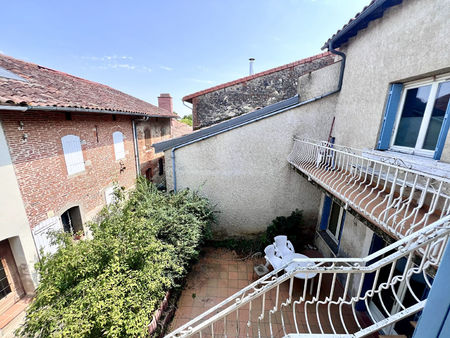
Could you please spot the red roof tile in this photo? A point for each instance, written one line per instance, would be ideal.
(47, 87)
(254, 76)
(180, 128)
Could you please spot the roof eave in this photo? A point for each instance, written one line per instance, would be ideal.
(372, 12)
(81, 110)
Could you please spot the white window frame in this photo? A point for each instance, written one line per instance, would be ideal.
(119, 146)
(74, 159)
(418, 150)
(335, 237)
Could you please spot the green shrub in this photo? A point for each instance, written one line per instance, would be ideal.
(112, 284)
(293, 227)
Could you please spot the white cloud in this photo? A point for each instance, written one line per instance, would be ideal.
(202, 81)
(122, 65)
(107, 57)
(2, 52)
(169, 69)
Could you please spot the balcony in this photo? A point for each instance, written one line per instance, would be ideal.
(279, 305)
(386, 191)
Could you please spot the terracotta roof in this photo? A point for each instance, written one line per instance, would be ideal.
(189, 98)
(374, 10)
(180, 128)
(44, 87)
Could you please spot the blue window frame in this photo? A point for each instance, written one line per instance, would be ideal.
(416, 117)
(331, 224)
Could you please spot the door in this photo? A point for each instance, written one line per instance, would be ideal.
(11, 289)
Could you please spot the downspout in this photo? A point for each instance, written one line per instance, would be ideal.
(136, 147)
(341, 76)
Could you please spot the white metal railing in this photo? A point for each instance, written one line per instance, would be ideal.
(387, 191)
(273, 306)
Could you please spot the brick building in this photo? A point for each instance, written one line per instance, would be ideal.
(234, 98)
(64, 143)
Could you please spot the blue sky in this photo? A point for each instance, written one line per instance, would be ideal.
(149, 47)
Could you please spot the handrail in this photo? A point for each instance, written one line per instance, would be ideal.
(429, 243)
(398, 199)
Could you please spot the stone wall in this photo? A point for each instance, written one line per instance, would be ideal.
(253, 92)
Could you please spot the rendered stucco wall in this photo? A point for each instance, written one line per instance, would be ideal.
(409, 42)
(244, 172)
(13, 221)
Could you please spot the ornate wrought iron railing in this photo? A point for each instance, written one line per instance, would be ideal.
(386, 191)
(273, 306)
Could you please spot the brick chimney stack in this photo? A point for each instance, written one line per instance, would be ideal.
(165, 102)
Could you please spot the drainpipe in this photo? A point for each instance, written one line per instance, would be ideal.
(136, 147)
(339, 86)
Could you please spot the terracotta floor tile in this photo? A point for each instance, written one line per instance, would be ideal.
(233, 283)
(233, 275)
(220, 274)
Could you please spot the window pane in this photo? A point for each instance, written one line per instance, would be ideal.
(4, 284)
(334, 219)
(412, 115)
(437, 116)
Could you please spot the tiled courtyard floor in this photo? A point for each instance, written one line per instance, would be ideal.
(220, 273)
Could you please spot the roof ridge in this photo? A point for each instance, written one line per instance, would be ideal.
(256, 75)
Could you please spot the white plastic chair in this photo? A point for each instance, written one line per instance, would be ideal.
(283, 246)
(272, 258)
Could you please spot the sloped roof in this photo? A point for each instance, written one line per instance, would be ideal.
(188, 98)
(372, 11)
(227, 125)
(39, 87)
(180, 128)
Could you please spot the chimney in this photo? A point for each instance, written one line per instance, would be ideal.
(250, 71)
(165, 102)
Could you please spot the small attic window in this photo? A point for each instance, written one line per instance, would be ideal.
(10, 75)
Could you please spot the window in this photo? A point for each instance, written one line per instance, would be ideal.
(5, 288)
(73, 154)
(331, 224)
(71, 220)
(119, 149)
(417, 113)
(161, 167)
(148, 138)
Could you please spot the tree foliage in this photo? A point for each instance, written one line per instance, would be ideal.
(187, 119)
(112, 284)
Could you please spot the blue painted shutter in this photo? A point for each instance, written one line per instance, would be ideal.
(443, 134)
(325, 213)
(390, 113)
(342, 227)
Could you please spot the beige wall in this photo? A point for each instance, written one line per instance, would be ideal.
(245, 172)
(13, 220)
(410, 41)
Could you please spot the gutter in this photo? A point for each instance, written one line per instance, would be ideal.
(145, 117)
(341, 76)
(76, 110)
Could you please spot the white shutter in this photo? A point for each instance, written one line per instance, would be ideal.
(109, 195)
(119, 149)
(41, 236)
(73, 154)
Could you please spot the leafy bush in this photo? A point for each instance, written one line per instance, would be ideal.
(112, 284)
(293, 227)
